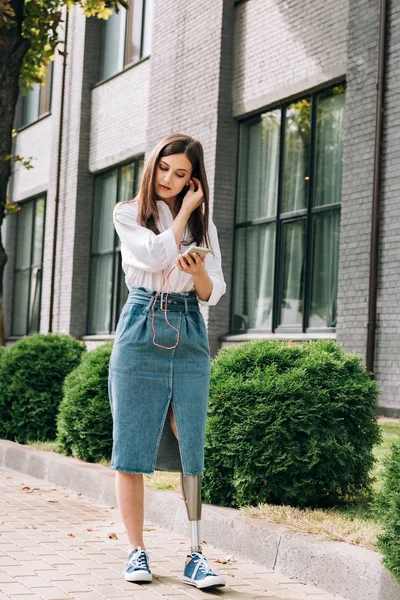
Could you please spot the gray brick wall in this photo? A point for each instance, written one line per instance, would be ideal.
(387, 360)
(355, 230)
(285, 47)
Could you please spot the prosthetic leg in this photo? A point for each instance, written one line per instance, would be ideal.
(191, 491)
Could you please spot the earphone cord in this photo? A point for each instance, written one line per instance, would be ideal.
(165, 311)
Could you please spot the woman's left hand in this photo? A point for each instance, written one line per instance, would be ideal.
(194, 265)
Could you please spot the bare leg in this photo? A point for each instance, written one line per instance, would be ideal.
(172, 421)
(129, 489)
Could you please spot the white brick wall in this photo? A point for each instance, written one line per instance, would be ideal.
(119, 117)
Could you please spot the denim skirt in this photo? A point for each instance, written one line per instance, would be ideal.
(144, 380)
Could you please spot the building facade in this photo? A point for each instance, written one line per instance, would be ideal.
(282, 95)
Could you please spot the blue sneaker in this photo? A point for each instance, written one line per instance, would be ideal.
(137, 568)
(198, 573)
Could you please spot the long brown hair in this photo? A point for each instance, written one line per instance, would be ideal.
(176, 143)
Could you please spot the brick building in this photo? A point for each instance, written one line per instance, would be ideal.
(282, 95)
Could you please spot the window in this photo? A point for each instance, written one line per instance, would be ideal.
(37, 101)
(288, 216)
(108, 291)
(126, 37)
(28, 267)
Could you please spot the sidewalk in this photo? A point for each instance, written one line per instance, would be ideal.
(56, 544)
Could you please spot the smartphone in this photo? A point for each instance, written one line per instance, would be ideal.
(199, 250)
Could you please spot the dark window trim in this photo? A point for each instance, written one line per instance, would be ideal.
(282, 218)
(116, 251)
(320, 87)
(34, 198)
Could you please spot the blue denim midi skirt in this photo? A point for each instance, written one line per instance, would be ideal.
(145, 379)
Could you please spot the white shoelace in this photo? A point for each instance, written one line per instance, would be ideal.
(138, 560)
(203, 566)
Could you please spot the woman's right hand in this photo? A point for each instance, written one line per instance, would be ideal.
(193, 199)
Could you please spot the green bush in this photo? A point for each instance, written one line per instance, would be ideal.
(84, 424)
(289, 423)
(32, 372)
(388, 507)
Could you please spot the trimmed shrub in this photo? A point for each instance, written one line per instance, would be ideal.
(289, 423)
(388, 507)
(32, 372)
(84, 423)
(2, 350)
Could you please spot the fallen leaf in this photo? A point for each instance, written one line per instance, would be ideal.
(227, 559)
(113, 536)
(203, 542)
(89, 529)
(149, 528)
(52, 500)
(79, 494)
(70, 535)
(230, 574)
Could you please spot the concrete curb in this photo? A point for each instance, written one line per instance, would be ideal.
(353, 572)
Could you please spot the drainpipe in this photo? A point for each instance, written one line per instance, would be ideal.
(376, 198)
(58, 179)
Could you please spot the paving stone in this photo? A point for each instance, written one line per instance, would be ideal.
(50, 555)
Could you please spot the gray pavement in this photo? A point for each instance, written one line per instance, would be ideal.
(56, 544)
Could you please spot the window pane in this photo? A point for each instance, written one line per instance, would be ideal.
(254, 277)
(139, 166)
(123, 290)
(259, 167)
(38, 239)
(105, 198)
(45, 92)
(31, 105)
(325, 269)
(293, 273)
(330, 132)
(24, 236)
(297, 153)
(113, 44)
(101, 279)
(34, 305)
(133, 31)
(21, 302)
(126, 183)
(147, 28)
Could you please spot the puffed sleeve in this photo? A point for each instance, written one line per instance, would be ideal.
(140, 247)
(214, 269)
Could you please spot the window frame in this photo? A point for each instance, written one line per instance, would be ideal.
(116, 253)
(280, 219)
(128, 28)
(42, 196)
(45, 88)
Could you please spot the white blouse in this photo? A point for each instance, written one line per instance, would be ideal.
(147, 256)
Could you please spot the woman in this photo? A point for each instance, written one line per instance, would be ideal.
(160, 362)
